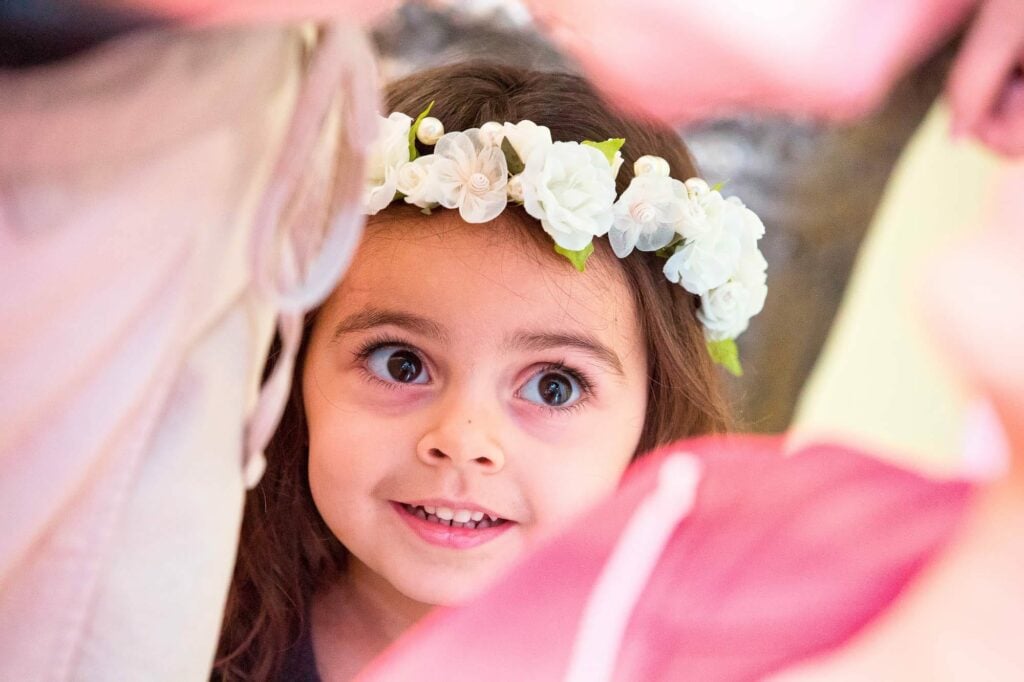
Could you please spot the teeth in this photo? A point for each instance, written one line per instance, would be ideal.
(455, 518)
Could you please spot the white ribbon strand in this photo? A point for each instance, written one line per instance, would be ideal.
(629, 567)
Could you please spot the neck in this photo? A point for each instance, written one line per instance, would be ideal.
(356, 619)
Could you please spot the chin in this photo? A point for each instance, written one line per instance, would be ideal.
(444, 590)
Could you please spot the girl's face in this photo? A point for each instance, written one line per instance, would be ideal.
(465, 394)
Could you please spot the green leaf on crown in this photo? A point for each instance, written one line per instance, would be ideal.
(669, 250)
(608, 147)
(415, 128)
(577, 258)
(515, 164)
(717, 187)
(726, 354)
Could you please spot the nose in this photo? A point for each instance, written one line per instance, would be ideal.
(464, 436)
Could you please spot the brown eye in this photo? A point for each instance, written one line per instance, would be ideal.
(553, 389)
(404, 366)
(399, 365)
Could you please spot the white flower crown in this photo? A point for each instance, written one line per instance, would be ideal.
(710, 241)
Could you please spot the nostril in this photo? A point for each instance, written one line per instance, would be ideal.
(459, 457)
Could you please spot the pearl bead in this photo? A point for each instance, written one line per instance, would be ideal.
(430, 131)
(650, 165)
(491, 133)
(697, 187)
(514, 188)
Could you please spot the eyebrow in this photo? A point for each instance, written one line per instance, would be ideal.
(370, 318)
(535, 341)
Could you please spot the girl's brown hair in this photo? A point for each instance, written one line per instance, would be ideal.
(286, 550)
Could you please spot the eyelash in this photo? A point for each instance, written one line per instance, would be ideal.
(375, 343)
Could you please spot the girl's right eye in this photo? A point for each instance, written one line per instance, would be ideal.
(395, 364)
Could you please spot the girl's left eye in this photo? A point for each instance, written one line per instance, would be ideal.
(395, 364)
(552, 388)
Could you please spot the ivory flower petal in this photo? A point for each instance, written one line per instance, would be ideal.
(470, 176)
(386, 155)
(569, 187)
(646, 214)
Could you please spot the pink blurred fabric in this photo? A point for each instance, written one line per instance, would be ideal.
(249, 12)
(781, 557)
(687, 59)
(159, 205)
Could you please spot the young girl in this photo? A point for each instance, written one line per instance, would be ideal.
(476, 380)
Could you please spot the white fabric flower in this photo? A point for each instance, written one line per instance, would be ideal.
(569, 187)
(702, 214)
(386, 155)
(723, 311)
(752, 225)
(708, 210)
(720, 261)
(470, 176)
(646, 214)
(752, 274)
(418, 182)
(705, 263)
(526, 136)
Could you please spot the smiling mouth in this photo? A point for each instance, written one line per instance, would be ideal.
(454, 518)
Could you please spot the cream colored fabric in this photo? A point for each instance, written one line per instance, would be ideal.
(133, 183)
(881, 380)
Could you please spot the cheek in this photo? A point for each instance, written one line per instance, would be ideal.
(563, 482)
(588, 463)
(566, 490)
(613, 423)
(343, 463)
(335, 480)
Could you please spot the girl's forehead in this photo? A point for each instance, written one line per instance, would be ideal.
(488, 276)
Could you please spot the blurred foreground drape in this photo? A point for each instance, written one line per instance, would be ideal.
(132, 176)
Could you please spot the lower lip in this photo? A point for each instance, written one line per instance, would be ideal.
(448, 536)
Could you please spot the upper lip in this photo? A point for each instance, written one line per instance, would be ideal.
(455, 504)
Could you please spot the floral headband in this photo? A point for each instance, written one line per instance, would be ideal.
(710, 241)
